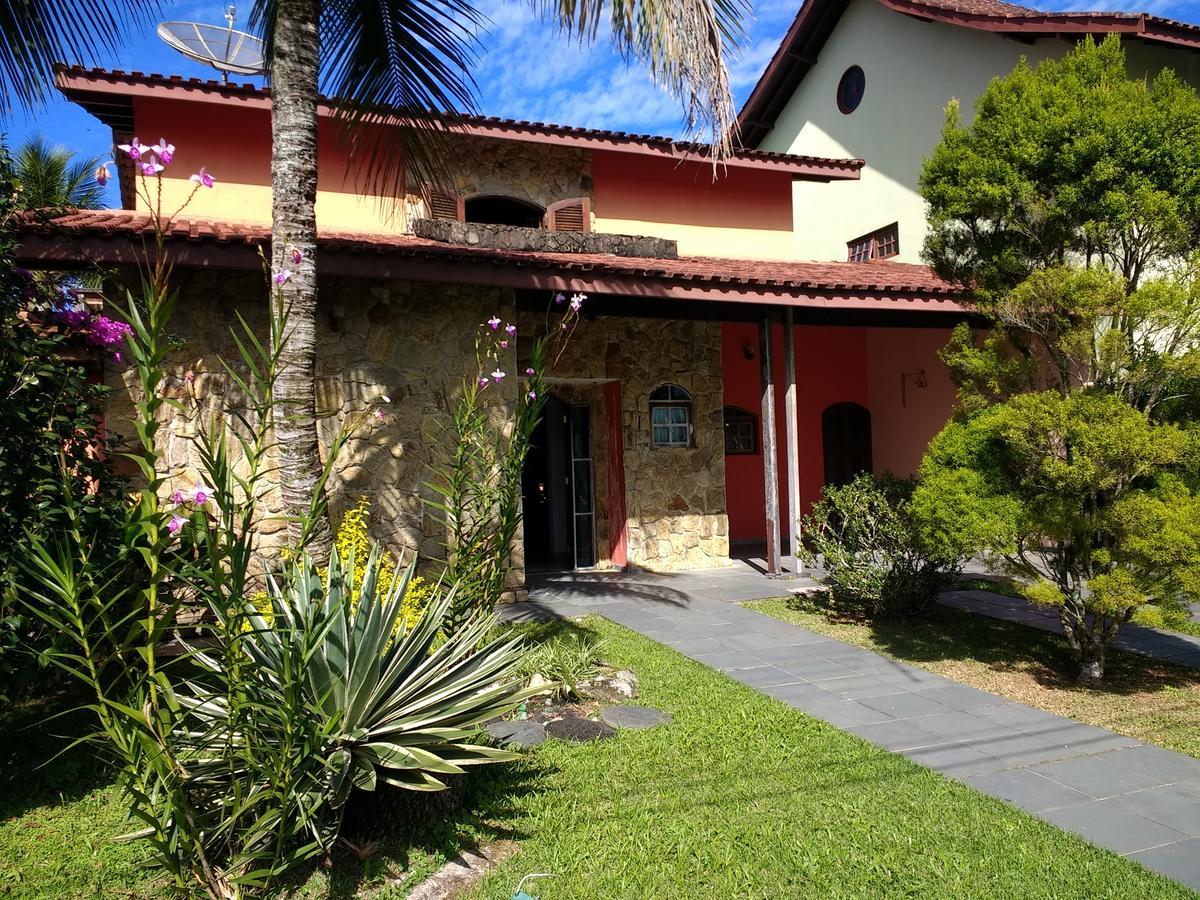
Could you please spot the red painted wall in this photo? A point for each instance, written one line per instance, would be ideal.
(831, 367)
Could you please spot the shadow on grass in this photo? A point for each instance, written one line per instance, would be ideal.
(945, 635)
(36, 769)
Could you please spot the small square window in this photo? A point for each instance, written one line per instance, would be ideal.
(879, 244)
(670, 417)
(741, 432)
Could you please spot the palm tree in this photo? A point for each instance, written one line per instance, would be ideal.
(34, 34)
(51, 177)
(416, 56)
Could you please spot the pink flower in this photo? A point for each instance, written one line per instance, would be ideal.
(498, 376)
(533, 395)
(297, 256)
(577, 302)
(530, 372)
(494, 321)
(177, 497)
(511, 329)
(103, 175)
(133, 148)
(203, 178)
(504, 345)
(105, 332)
(175, 524)
(117, 357)
(201, 496)
(189, 376)
(282, 277)
(151, 167)
(560, 298)
(379, 415)
(164, 150)
(483, 382)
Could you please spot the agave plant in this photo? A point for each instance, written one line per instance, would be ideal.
(334, 682)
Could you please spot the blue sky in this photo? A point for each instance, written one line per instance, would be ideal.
(526, 70)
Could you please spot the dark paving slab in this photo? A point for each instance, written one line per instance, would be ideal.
(1026, 789)
(1177, 860)
(1108, 824)
(636, 717)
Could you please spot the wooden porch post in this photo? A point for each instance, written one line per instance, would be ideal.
(770, 465)
(793, 438)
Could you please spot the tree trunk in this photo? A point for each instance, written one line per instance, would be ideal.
(1091, 668)
(294, 66)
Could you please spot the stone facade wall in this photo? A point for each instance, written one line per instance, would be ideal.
(536, 173)
(513, 237)
(411, 342)
(674, 497)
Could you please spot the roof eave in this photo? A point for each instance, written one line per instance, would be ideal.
(93, 88)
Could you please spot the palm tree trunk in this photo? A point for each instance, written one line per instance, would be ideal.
(294, 230)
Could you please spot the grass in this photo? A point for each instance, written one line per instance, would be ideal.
(740, 796)
(1143, 698)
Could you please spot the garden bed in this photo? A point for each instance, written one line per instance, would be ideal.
(739, 796)
(1142, 698)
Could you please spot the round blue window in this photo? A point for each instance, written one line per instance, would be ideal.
(850, 89)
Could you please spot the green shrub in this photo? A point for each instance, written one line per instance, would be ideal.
(862, 537)
(564, 662)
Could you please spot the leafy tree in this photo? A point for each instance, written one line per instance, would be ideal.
(415, 55)
(51, 177)
(1070, 207)
(1071, 162)
(1082, 497)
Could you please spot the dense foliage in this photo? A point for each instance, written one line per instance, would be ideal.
(1071, 207)
(861, 535)
(49, 415)
(1081, 497)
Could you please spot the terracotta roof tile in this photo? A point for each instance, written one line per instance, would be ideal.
(877, 277)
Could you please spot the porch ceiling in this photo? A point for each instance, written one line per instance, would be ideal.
(121, 237)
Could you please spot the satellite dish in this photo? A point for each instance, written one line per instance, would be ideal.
(224, 48)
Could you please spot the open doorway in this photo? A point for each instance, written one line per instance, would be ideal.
(557, 488)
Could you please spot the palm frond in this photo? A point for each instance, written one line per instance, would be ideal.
(51, 177)
(34, 34)
(401, 73)
(684, 43)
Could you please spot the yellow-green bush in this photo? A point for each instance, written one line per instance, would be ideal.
(352, 537)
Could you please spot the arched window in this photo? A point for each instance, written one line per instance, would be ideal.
(498, 210)
(741, 431)
(670, 417)
(846, 441)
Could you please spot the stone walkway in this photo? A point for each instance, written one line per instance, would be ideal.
(1138, 800)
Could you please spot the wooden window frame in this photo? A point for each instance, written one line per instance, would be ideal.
(736, 416)
(670, 402)
(584, 204)
(882, 243)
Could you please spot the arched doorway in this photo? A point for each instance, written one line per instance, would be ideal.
(556, 485)
(494, 209)
(846, 442)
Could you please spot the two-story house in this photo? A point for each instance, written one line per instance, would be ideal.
(706, 341)
(872, 79)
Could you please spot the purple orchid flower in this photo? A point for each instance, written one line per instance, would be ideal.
(151, 167)
(175, 524)
(530, 371)
(177, 497)
(483, 382)
(504, 345)
(511, 329)
(202, 178)
(498, 376)
(577, 302)
(103, 175)
(282, 277)
(560, 298)
(133, 148)
(165, 151)
(201, 496)
(494, 321)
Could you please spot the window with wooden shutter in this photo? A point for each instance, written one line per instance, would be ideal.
(445, 205)
(570, 215)
(879, 244)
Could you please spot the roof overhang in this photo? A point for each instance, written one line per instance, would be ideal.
(122, 238)
(109, 95)
(816, 20)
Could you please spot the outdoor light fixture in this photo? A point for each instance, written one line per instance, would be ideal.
(917, 378)
(748, 350)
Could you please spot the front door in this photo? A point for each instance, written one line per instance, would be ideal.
(557, 491)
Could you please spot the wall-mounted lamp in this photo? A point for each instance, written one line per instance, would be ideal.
(918, 379)
(748, 350)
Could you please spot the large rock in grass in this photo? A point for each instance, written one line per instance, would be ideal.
(577, 730)
(634, 717)
(611, 686)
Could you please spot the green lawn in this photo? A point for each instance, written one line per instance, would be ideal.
(1143, 698)
(740, 797)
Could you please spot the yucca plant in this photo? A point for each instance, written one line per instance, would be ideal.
(378, 701)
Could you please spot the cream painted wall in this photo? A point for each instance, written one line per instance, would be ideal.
(913, 69)
(707, 240)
